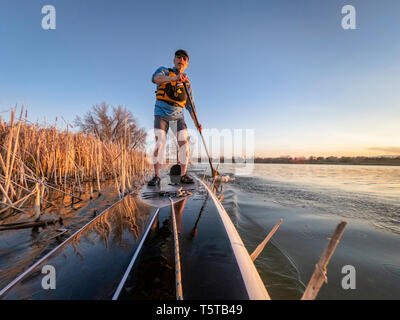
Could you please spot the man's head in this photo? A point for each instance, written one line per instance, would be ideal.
(181, 60)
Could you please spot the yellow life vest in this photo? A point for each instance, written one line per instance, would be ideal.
(172, 92)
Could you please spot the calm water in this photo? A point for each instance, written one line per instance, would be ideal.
(312, 200)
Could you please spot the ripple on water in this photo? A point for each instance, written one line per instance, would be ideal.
(392, 269)
(380, 211)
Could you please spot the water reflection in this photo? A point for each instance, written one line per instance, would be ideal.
(91, 263)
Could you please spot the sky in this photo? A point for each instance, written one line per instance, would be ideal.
(285, 69)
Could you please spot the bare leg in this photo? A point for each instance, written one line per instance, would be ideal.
(183, 150)
(157, 169)
(158, 152)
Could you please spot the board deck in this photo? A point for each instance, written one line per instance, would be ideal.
(158, 196)
(211, 267)
(254, 285)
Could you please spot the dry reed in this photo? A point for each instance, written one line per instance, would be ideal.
(34, 159)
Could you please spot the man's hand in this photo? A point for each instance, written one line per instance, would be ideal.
(182, 77)
(200, 127)
(160, 78)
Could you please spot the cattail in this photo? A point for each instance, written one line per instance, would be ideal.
(32, 154)
(37, 202)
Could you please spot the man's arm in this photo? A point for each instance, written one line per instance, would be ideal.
(160, 78)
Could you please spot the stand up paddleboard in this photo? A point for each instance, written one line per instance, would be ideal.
(169, 187)
(213, 262)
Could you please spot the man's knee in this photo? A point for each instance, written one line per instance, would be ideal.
(183, 154)
(182, 137)
(161, 138)
(182, 143)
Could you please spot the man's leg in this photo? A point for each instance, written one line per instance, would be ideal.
(183, 150)
(160, 131)
(161, 137)
(183, 153)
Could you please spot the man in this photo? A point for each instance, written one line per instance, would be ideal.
(171, 99)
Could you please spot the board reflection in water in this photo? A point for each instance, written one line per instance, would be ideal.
(89, 265)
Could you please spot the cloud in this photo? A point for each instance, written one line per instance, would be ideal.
(386, 149)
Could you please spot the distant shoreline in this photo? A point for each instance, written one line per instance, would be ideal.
(359, 161)
(336, 163)
(366, 162)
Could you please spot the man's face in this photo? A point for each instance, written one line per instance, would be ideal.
(181, 62)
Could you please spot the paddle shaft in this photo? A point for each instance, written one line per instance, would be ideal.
(196, 121)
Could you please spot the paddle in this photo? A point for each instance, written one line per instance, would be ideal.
(196, 121)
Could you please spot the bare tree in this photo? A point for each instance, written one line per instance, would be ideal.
(111, 127)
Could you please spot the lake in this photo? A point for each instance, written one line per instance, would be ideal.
(312, 200)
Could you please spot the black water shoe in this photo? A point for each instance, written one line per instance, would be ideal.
(154, 181)
(186, 179)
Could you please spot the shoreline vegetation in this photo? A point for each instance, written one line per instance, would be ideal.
(39, 161)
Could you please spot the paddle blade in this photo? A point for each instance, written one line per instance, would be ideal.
(175, 170)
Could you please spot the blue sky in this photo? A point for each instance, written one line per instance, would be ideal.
(286, 69)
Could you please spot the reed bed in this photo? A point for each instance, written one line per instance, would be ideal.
(38, 159)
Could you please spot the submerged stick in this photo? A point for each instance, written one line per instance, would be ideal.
(30, 224)
(319, 275)
(261, 246)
